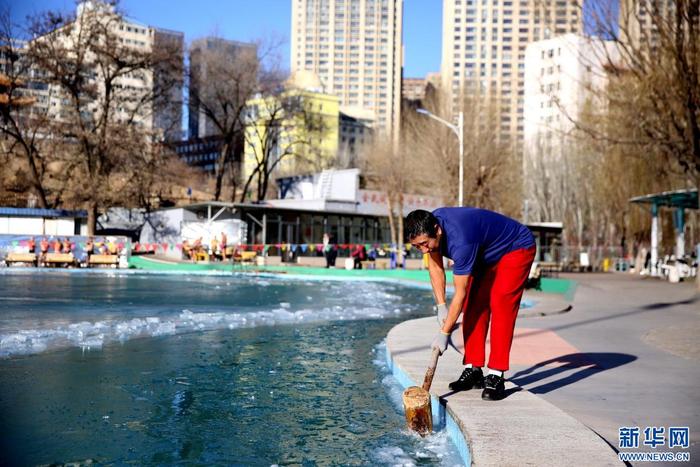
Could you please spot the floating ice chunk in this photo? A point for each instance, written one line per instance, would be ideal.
(92, 342)
(372, 304)
(393, 455)
(165, 329)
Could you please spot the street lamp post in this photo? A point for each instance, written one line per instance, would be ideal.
(459, 131)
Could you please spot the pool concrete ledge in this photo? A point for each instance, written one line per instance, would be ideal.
(522, 429)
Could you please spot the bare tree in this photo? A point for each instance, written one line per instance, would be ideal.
(223, 76)
(638, 132)
(617, 172)
(657, 45)
(406, 168)
(491, 166)
(387, 167)
(426, 161)
(586, 182)
(24, 126)
(105, 98)
(285, 134)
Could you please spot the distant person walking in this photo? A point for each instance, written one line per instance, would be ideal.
(214, 247)
(329, 251)
(492, 255)
(89, 246)
(359, 254)
(44, 249)
(222, 245)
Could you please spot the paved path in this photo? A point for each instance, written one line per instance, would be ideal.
(626, 354)
(635, 362)
(522, 429)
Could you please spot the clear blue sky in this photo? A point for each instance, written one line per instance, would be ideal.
(247, 20)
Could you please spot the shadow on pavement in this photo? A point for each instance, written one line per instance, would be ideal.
(660, 305)
(587, 365)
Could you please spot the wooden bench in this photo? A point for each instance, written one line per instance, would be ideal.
(201, 255)
(21, 258)
(379, 263)
(382, 263)
(245, 257)
(59, 258)
(549, 269)
(104, 260)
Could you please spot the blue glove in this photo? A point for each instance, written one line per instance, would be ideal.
(440, 342)
(441, 313)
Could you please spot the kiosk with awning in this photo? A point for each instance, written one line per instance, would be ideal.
(680, 200)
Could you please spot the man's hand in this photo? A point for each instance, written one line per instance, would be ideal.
(441, 313)
(440, 342)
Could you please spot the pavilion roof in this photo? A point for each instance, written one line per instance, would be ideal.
(687, 199)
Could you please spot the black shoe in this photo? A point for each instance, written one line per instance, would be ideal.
(469, 379)
(494, 388)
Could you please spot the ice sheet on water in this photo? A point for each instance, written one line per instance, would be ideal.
(94, 334)
(393, 455)
(434, 449)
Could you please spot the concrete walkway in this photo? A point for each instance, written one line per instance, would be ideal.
(635, 361)
(625, 354)
(523, 429)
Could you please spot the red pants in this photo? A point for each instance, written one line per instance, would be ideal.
(496, 294)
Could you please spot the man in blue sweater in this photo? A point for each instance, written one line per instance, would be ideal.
(492, 256)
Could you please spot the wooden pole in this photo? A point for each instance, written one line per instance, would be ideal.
(416, 401)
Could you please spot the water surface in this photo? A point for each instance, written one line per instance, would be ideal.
(204, 370)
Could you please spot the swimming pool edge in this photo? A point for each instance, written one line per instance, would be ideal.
(442, 418)
(522, 429)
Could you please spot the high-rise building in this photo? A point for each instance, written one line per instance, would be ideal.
(355, 133)
(483, 50)
(203, 153)
(413, 89)
(417, 92)
(563, 77)
(169, 103)
(641, 23)
(202, 85)
(355, 47)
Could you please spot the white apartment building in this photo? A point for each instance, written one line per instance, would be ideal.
(355, 47)
(563, 75)
(639, 20)
(483, 50)
(161, 116)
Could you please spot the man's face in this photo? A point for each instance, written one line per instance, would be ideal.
(427, 244)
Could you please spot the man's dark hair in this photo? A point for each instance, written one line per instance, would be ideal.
(420, 222)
